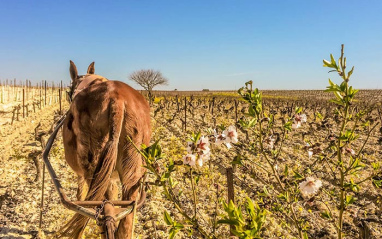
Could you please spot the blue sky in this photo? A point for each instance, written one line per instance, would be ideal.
(195, 44)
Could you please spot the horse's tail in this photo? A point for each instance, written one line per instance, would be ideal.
(101, 177)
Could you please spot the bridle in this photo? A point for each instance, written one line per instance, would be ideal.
(71, 90)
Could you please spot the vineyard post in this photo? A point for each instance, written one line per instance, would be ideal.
(185, 114)
(236, 104)
(45, 94)
(17, 112)
(177, 102)
(231, 194)
(23, 103)
(40, 96)
(59, 96)
(212, 105)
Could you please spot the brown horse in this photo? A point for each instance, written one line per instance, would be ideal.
(102, 115)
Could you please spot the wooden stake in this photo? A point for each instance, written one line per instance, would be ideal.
(236, 104)
(59, 96)
(45, 95)
(185, 114)
(23, 103)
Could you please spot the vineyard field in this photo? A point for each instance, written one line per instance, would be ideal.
(295, 155)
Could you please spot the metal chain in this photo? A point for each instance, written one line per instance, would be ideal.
(99, 210)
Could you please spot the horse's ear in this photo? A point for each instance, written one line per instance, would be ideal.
(73, 71)
(91, 69)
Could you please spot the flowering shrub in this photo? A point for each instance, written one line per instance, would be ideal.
(263, 126)
(345, 161)
(298, 120)
(326, 180)
(198, 152)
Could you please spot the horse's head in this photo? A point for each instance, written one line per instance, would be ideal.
(80, 82)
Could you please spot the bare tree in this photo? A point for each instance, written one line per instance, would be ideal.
(148, 79)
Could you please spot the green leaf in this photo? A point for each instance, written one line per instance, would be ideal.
(251, 111)
(229, 222)
(297, 175)
(284, 196)
(332, 59)
(350, 72)
(173, 232)
(377, 183)
(237, 160)
(168, 219)
(286, 170)
(353, 186)
(326, 215)
(349, 200)
(338, 95)
(178, 225)
(338, 102)
(288, 126)
(376, 165)
(327, 63)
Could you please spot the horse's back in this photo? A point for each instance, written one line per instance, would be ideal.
(89, 125)
(102, 115)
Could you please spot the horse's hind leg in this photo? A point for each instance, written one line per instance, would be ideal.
(125, 228)
(130, 172)
(111, 194)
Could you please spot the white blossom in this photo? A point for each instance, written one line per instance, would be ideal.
(200, 161)
(202, 146)
(221, 138)
(189, 159)
(296, 125)
(310, 186)
(298, 120)
(270, 141)
(349, 151)
(203, 158)
(303, 118)
(310, 152)
(231, 134)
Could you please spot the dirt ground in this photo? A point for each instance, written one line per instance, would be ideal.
(20, 194)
